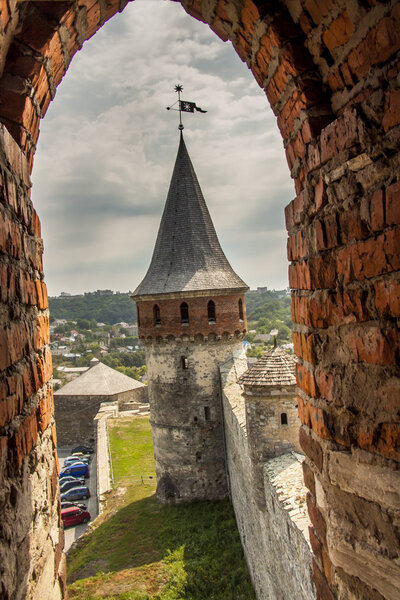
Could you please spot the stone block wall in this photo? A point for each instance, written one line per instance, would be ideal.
(275, 547)
(75, 415)
(186, 417)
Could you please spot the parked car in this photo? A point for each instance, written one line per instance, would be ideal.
(70, 504)
(76, 493)
(73, 459)
(77, 470)
(81, 455)
(78, 480)
(69, 485)
(84, 449)
(74, 516)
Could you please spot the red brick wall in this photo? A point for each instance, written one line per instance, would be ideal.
(26, 395)
(226, 309)
(330, 72)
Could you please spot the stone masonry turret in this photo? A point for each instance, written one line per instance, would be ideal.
(191, 317)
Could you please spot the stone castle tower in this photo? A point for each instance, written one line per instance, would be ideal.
(191, 317)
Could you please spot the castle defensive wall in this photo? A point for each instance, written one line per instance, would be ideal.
(330, 71)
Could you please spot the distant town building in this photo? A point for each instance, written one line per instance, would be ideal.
(77, 402)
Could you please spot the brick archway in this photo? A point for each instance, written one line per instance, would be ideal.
(330, 72)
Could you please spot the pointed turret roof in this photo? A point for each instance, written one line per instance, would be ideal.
(274, 368)
(187, 256)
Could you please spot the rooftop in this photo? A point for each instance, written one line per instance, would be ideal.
(99, 380)
(275, 368)
(187, 255)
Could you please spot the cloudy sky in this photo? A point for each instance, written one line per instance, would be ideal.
(107, 149)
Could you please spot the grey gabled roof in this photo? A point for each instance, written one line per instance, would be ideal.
(99, 380)
(274, 368)
(187, 255)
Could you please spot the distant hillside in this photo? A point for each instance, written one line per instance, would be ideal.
(105, 309)
(268, 311)
(264, 311)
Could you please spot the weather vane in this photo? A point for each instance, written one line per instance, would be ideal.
(184, 106)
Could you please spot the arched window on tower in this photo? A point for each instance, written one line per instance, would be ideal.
(241, 310)
(156, 315)
(211, 312)
(138, 316)
(284, 419)
(184, 314)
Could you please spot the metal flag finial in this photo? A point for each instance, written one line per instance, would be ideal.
(184, 106)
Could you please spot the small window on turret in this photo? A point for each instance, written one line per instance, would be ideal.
(211, 312)
(184, 313)
(207, 413)
(240, 310)
(284, 419)
(184, 362)
(138, 316)
(156, 315)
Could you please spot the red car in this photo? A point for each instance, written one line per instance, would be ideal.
(74, 516)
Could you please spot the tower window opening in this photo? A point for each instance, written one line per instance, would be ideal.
(207, 413)
(184, 314)
(184, 362)
(211, 312)
(241, 310)
(138, 316)
(284, 419)
(156, 315)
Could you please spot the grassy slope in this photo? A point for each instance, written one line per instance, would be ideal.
(140, 550)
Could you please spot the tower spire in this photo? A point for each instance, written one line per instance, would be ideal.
(187, 256)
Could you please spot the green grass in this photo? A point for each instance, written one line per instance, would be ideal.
(140, 550)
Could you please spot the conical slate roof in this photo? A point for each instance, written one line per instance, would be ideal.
(99, 380)
(274, 368)
(187, 255)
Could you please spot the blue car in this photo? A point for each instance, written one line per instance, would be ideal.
(77, 493)
(76, 470)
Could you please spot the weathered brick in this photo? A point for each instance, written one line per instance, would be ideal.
(315, 418)
(41, 291)
(379, 45)
(305, 346)
(383, 439)
(341, 134)
(387, 298)
(42, 332)
(374, 345)
(24, 439)
(318, 10)
(316, 517)
(45, 411)
(364, 260)
(309, 479)
(311, 448)
(306, 380)
(392, 110)
(321, 584)
(392, 204)
(339, 32)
